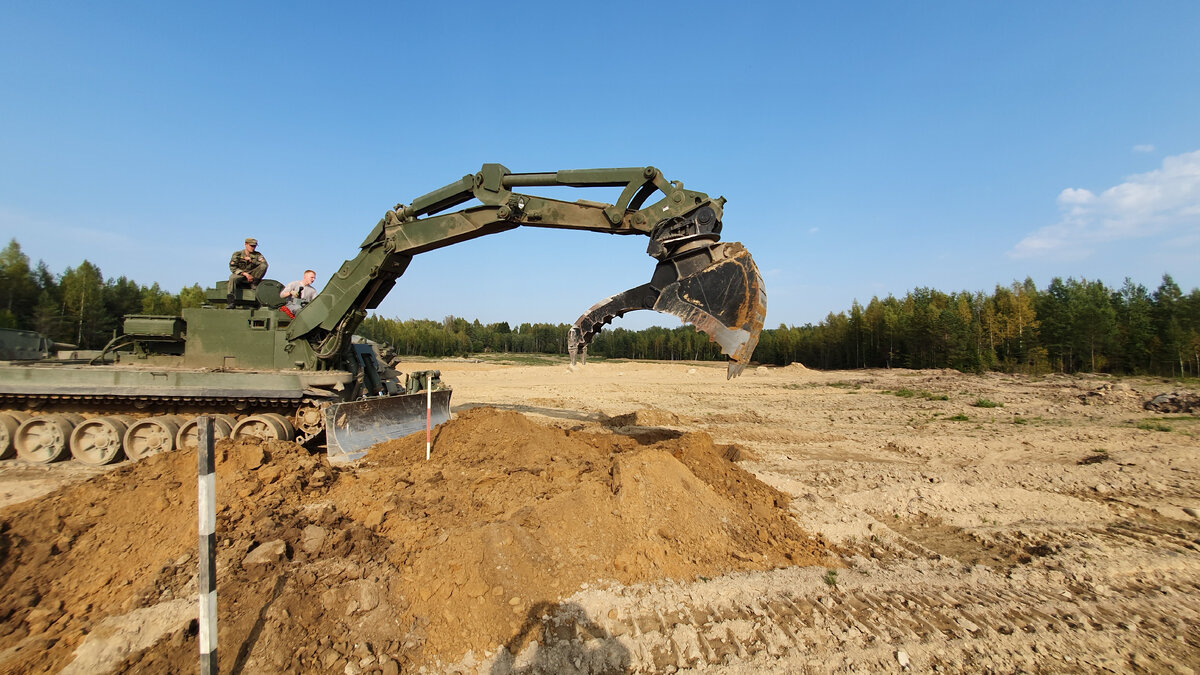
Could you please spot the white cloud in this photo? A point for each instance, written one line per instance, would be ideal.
(1165, 201)
(814, 230)
(1143, 147)
(1072, 196)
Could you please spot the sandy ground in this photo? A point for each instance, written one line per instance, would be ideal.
(985, 523)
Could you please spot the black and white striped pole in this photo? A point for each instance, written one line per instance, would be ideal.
(207, 504)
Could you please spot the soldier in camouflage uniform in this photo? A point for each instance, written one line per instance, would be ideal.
(248, 266)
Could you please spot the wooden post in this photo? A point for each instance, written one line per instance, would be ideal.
(207, 505)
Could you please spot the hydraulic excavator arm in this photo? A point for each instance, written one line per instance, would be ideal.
(714, 286)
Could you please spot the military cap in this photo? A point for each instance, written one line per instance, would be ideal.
(252, 241)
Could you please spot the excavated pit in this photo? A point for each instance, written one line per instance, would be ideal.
(390, 564)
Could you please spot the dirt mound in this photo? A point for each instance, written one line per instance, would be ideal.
(646, 417)
(1174, 402)
(1109, 393)
(385, 565)
(126, 540)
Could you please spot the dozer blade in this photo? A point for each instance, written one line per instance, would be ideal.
(725, 300)
(351, 428)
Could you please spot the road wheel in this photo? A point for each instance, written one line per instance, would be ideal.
(151, 436)
(45, 438)
(98, 441)
(188, 437)
(267, 426)
(9, 421)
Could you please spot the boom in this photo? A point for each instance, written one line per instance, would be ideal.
(715, 286)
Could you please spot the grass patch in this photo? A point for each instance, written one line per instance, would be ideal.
(918, 393)
(1020, 420)
(1052, 421)
(831, 577)
(1188, 425)
(986, 403)
(515, 359)
(960, 417)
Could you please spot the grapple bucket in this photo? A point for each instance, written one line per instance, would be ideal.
(725, 300)
(351, 428)
(715, 287)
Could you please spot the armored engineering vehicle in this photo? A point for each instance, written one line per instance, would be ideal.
(263, 371)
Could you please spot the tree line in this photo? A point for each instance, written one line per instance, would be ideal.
(1068, 326)
(456, 336)
(79, 306)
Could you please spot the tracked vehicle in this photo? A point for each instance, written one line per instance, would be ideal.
(269, 373)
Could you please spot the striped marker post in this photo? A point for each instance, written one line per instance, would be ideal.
(428, 412)
(207, 505)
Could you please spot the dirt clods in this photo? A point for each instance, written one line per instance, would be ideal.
(386, 565)
(1174, 402)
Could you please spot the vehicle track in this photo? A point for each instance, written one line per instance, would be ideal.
(893, 617)
(874, 616)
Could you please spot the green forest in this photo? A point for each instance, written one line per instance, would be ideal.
(78, 306)
(1069, 326)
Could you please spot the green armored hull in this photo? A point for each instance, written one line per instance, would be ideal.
(86, 382)
(145, 392)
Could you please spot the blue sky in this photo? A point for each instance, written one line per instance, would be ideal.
(864, 148)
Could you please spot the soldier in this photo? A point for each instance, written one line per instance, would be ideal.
(300, 293)
(248, 266)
